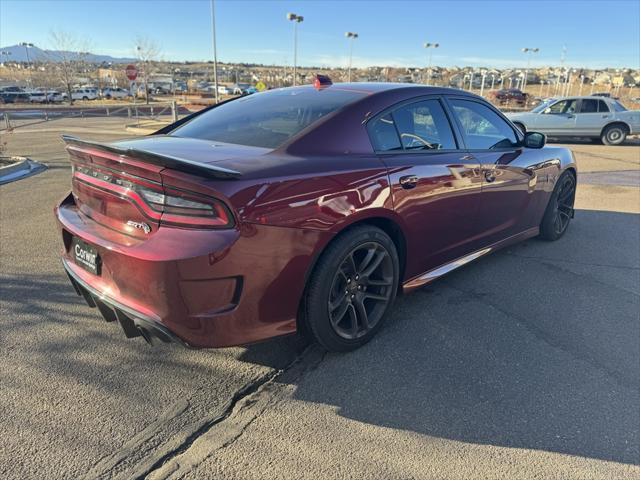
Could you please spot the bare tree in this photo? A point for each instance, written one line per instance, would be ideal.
(69, 59)
(148, 54)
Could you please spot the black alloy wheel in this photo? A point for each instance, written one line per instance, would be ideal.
(351, 289)
(564, 205)
(559, 211)
(361, 290)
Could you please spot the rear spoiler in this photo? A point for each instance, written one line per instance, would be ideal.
(180, 164)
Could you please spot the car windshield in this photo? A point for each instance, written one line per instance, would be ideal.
(266, 119)
(618, 107)
(543, 105)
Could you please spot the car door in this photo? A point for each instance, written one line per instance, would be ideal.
(592, 115)
(509, 170)
(435, 186)
(559, 118)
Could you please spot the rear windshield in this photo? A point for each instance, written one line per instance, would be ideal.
(266, 119)
(618, 107)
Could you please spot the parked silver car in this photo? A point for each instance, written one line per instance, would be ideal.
(594, 117)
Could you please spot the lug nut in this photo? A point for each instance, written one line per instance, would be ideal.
(357, 277)
(353, 296)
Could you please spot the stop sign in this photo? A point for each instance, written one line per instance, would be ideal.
(132, 72)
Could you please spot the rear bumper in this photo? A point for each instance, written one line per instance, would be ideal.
(203, 289)
(134, 323)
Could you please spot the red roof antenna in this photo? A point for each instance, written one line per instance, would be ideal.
(321, 81)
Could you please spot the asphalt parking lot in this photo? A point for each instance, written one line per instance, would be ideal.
(524, 364)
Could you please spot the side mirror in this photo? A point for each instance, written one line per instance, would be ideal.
(534, 140)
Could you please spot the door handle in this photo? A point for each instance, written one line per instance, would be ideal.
(605, 116)
(489, 176)
(409, 181)
(466, 158)
(571, 116)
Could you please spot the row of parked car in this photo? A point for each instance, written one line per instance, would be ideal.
(20, 95)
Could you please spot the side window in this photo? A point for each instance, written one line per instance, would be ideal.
(384, 135)
(482, 127)
(589, 106)
(564, 106)
(424, 126)
(602, 106)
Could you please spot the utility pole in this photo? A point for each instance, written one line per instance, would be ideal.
(215, 51)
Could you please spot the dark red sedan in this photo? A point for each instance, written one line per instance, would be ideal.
(304, 208)
(511, 96)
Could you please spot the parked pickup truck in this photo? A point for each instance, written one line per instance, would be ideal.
(601, 118)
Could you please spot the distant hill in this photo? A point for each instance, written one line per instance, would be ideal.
(17, 53)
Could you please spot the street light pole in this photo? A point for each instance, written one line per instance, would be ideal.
(215, 51)
(430, 47)
(296, 19)
(27, 46)
(528, 51)
(352, 36)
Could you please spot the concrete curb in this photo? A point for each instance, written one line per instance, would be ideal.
(20, 168)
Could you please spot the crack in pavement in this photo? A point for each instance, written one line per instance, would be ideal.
(551, 263)
(158, 462)
(244, 412)
(587, 264)
(542, 336)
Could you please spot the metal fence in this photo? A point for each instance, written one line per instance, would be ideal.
(18, 118)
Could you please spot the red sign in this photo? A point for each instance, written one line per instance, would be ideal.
(132, 72)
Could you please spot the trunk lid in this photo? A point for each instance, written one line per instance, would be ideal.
(120, 185)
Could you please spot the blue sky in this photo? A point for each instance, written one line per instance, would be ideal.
(477, 33)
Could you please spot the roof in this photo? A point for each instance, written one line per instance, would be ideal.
(378, 87)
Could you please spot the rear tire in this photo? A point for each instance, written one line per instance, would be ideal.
(614, 134)
(559, 210)
(352, 289)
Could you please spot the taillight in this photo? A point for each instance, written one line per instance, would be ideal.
(168, 205)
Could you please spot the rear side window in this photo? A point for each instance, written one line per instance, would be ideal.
(424, 126)
(266, 119)
(602, 106)
(417, 126)
(589, 106)
(482, 127)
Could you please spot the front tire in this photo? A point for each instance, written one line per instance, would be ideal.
(559, 210)
(614, 134)
(352, 288)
